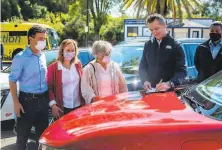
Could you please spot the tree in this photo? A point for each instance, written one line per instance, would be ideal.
(9, 9)
(163, 7)
(57, 5)
(38, 11)
(212, 9)
(31, 10)
(113, 30)
(99, 10)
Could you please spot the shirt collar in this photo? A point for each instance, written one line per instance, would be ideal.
(211, 43)
(159, 41)
(61, 67)
(164, 38)
(100, 66)
(29, 51)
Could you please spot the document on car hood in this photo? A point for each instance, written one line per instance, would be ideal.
(151, 91)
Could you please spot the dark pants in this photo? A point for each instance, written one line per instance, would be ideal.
(68, 110)
(36, 113)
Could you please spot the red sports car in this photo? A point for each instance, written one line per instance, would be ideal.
(132, 121)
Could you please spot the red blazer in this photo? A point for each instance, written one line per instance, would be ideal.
(54, 81)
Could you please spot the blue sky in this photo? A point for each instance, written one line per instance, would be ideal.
(115, 11)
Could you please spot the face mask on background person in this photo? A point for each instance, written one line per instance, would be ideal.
(106, 59)
(69, 55)
(40, 45)
(215, 36)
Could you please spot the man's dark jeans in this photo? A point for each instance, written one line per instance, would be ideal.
(36, 113)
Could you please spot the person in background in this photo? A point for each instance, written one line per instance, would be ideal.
(208, 57)
(63, 80)
(102, 77)
(29, 69)
(163, 62)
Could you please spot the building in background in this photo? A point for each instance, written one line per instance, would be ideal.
(188, 28)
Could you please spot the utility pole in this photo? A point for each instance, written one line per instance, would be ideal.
(87, 22)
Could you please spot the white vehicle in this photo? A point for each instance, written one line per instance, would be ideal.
(7, 111)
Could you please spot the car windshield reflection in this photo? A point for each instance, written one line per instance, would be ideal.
(128, 57)
(209, 95)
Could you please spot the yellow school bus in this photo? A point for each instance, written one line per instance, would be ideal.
(14, 37)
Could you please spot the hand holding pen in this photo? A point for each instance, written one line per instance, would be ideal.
(162, 86)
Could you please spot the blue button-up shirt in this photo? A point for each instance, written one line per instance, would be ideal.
(215, 48)
(29, 70)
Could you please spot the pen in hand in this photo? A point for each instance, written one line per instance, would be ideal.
(158, 83)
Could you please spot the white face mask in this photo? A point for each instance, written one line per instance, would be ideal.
(40, 45)
(69, 55)
(106, 59)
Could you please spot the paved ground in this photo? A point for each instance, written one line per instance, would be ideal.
(8, 138)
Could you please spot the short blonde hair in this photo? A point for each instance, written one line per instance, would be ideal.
(63, 45)
(101, 47)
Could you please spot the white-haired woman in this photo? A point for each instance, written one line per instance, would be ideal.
(102, 77)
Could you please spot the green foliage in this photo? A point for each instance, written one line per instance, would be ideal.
(68, 17)
(56, 5)
(52, 20)
(30, 11)
(6, 9)
(38, 11)
(113, 31)
(99, 10)
(9, 8)
(212, 9)
(176, 8)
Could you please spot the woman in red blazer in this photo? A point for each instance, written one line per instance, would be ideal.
(63, 78)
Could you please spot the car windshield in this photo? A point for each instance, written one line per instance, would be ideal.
(128, 57)
(53, 38)
(209, 95)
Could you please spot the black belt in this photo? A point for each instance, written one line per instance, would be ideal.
(34, 95)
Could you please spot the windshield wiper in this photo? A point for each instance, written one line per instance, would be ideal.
(192, 99)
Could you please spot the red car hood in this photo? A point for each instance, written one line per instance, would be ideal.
(125, 111)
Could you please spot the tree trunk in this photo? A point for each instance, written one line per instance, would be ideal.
(97, 27)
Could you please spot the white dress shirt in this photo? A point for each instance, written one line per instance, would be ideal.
(70, 87)
(104, 80)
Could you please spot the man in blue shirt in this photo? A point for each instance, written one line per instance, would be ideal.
(208, 57)
(29, 69)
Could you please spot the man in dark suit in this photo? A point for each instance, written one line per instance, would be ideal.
(208, 57)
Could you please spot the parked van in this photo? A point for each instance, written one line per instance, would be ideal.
(14, 38)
